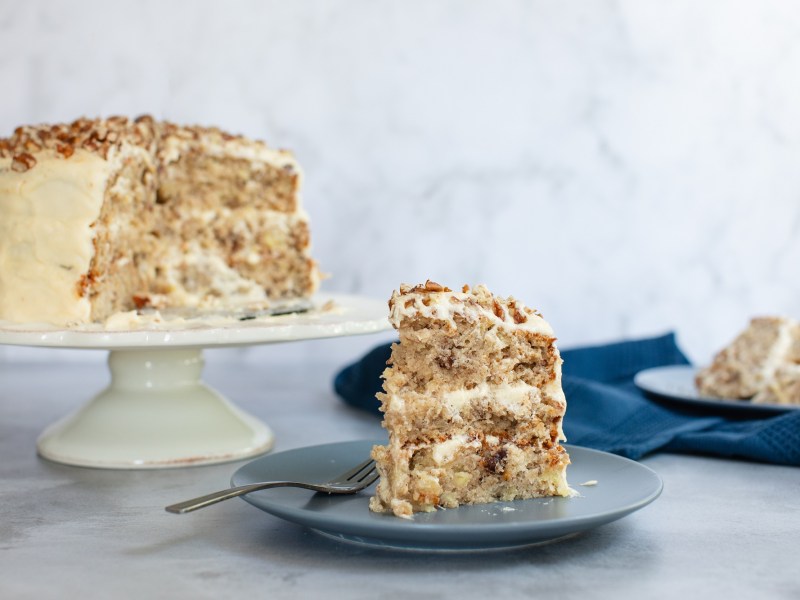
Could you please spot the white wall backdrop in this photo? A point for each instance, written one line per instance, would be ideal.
(627, 167)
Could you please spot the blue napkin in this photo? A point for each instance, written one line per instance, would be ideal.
(606, 411)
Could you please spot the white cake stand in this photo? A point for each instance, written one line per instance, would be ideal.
(156, 412)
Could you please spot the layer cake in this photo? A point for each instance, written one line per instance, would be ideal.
(109, 215)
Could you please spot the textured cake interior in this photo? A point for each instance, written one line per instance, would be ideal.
(231, 219)
(761, 364)
(123, 234)
(472, 403)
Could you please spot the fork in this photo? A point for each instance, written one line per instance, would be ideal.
(350, 482)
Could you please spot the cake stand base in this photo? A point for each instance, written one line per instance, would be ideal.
(156, 413)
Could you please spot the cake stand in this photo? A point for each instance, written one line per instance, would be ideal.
(156, 412)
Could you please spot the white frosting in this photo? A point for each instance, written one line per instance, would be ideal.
(513, 397)
(46, 236)
(173, 146)
(442, 307)
(193, 273)
(780, 349)
(444, 452)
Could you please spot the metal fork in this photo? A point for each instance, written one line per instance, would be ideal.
(354, 480)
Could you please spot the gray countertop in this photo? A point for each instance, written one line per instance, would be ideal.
(721, 528)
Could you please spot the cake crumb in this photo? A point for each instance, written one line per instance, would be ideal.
(589, 483)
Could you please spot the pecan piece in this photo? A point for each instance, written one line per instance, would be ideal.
(23, 162)
(432, 286)
(498, 311)
(496, 463)
(65, 150)
(140, 301)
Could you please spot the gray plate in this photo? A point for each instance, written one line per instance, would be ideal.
(623, 487)
(675, 385)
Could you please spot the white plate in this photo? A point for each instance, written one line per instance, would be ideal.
(623, 486)
(675, 385)
(351, 315)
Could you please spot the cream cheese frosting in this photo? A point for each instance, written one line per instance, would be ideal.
(445, 305)
(516, 398)
(46, 235)
(173, 146)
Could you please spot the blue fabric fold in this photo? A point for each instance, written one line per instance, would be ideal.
(607, 412)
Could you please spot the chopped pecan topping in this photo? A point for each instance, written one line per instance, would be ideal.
(428, 287)
(432, 286)
(498, 311)
(22, 162)
(31, 146)
(141, 301)
(65, 150)
(94, 135)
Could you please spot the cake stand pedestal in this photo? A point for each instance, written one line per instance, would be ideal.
(157, 412)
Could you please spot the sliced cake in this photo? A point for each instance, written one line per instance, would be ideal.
(109, 215)
(761, 364)
(472, 403)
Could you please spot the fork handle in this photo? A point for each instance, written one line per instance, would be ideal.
(213, 498)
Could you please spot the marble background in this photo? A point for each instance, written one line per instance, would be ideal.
(627, 167)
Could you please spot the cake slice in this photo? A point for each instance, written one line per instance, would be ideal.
(761, 364)
(110, 215)
(472, 403)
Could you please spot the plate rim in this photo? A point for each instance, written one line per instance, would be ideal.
(450, 536)
(361, 315)
(698, 401)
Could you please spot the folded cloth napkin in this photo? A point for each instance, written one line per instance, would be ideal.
(606, 411)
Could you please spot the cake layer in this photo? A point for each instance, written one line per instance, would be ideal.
(519, 413)
(461, 340)
(205, 168)
(465, 469)
(236, 257)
